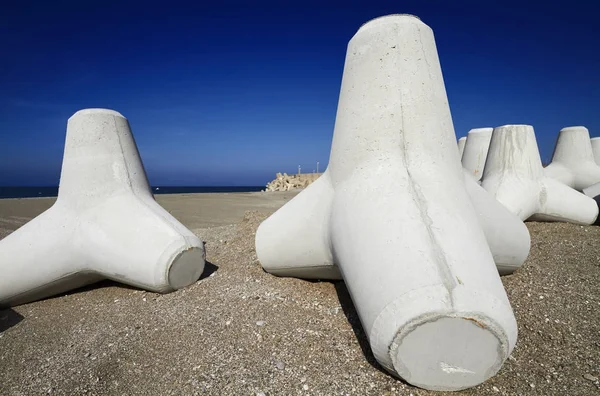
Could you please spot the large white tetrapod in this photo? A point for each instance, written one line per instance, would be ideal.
(105, 223)
(393, 213)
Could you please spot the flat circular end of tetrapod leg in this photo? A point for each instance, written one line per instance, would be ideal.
(186, 268)
(448, 353)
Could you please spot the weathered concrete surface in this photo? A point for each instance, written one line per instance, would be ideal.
(412, 253)
(105, 223)
(514, 176)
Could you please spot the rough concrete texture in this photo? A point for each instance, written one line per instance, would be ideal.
(105, 223)
(412, 253)
(285, 182)
(475, 151)
(461, 146)
(573, 161)
(241, 331)
(514, 175)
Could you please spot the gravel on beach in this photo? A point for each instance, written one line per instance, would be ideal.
(241, 331)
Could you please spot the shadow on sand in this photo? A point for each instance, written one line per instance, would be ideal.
(354, 320)
(209, 269)
(352, 317)
(8, 319)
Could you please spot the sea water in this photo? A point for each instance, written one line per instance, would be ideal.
(32, 192)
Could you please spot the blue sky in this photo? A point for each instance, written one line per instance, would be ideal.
(230, 92)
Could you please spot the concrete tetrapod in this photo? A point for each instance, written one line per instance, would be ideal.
(475, 152)
(393, 213)
(105, 223)
(514, 175)
(573, 160)
(461, 146)
(595, 141)
(593, 191)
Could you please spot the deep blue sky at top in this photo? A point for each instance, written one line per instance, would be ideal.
(230, 92)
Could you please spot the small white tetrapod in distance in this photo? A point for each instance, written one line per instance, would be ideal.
(573, 161)
(475, 152)
(514, 175)
(461, 146)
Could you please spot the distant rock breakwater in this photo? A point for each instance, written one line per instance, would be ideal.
(285, 182)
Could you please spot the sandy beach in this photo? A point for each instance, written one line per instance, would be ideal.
(241, 331)
(193, 210)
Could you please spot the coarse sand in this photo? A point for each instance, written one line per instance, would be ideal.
(241, 331)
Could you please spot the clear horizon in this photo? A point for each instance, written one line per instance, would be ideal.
(229, 94)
